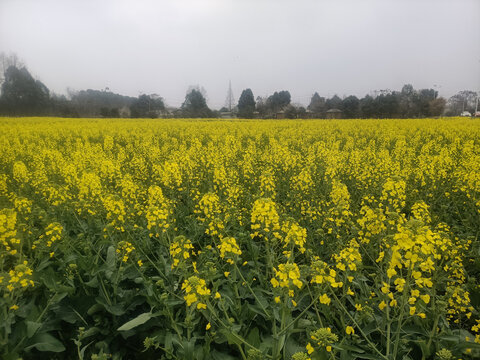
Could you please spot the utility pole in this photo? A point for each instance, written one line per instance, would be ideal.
(230, 101)
(476, 106)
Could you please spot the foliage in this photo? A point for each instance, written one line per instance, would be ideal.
(97, 103)
(147, 106)
(246, 104)
(195, 105)
(351, 107)
(278, 101)
(22, 94)
(317, 105)
(464, 100)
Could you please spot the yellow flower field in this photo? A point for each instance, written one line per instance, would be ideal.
(240, 239)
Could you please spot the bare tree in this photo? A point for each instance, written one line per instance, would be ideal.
(7, 60)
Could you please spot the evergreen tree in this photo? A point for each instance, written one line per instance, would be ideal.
(195, 105)
(246, 104)
(22, 94)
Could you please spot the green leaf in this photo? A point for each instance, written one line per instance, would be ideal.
(253, 337)
(95, 308)
(231, 338)
(45, 342)
(82, 351)
(367, 356)
(349, 347)
(221, 356)
(291, 347)
(110, 262)
(139, 320)
(424, 347)
(32, 328)
(281, 341)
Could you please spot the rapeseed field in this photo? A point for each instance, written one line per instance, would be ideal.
(254, 239)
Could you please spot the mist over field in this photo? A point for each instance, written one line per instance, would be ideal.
(330, 47)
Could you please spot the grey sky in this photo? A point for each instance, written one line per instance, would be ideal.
(163, 46)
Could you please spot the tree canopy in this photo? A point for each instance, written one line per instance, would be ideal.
(147, 106)
(195, 105)
(278, 101)
(22, 94)
(246, 104)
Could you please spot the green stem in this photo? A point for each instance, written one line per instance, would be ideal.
(251, 290)
(402, 313)
(282, 324)
(435, 323)
(315, 306)
(372, 345)
(37, 320)
(389, 324)
(241, 352)
(238, 337)
(298, 317)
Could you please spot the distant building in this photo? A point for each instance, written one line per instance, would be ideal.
(280, 115)
(334, 114)
(227, 115)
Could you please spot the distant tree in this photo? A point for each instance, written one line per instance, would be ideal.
(22, 94)
(90, 102)
(147, 106)
(301, 112)
(367, 107)
(424, 97)
(195, 105)
(7, 60)
(291, 112)
(386, 105)
(261, 106)
(436, 107)
(462, 101)
(317, 105)
(278, 101)
(246, 104)
(109, 113)
(409, 102)
(61, 106)
(351, 107)
(334, 103)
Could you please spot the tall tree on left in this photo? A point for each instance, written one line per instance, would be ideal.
(22, 94)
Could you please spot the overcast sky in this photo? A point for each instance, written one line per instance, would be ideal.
(164, 46)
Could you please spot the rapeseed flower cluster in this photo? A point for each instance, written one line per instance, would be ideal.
(229, 249)
(181, 250)
(124, 249)
(196, 292)
(8, 233)
(169, 175)
(19, 278)
(158, 212)
(265, 220)
(287, 276)
(393, 195)
(294, 235)
(116, 212)
(349, 257)
(208, 211)
(322, 338)
(267, 185)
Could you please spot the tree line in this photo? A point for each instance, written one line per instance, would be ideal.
(23, 95)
